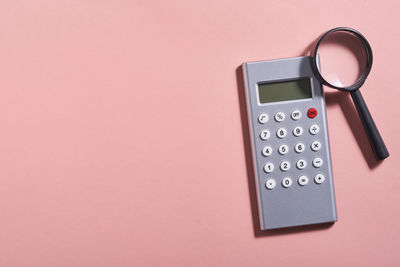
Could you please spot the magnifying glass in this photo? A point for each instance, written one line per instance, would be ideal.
(342, 59)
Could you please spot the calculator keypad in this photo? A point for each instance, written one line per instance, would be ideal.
(295, 145)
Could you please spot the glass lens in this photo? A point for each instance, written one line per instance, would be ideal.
(342, 57)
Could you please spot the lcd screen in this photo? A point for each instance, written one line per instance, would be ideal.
(282, 91)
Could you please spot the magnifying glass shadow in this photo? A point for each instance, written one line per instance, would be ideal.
(343, 99)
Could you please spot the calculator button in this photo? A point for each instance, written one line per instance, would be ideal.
(314, 129)
(263, 118)
(312, 113)
(280, 116)
(287, 182)
(269, 167)
(315, 146)
(299, 147)
(281, 132)
(297, 131)
(303, 180)
(301, 164)
(283, 149)
(296, 114)
(265, 134)
(267, 151)
(285, 166)
(317, 162)
(319, 178)
(270, 184)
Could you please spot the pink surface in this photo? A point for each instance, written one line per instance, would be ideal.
(121, 138)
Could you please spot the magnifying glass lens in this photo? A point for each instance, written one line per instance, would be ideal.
(342, 57)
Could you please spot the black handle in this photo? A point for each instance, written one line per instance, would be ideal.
(369, 125)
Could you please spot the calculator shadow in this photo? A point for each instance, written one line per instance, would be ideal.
(250, 173)
(343, 99)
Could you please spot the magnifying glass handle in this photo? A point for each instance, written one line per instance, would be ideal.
(369, 125)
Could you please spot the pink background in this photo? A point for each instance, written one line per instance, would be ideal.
(121, 140)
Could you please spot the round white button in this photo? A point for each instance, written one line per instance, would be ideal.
(285, 165)
(303, 180)
(297, 131)
(267, 151)
(314, 129)
(319, 178)
(299, 147)
(270, 184)
(263, 118)
(315, 146)
(301, 164)
(269, 167)
(265, 134)
(281, 132)
(283, 149)
(317, 162)
(296, 114)
(280, 116)
(286, 182)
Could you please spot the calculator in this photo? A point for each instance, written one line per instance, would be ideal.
(290, 144)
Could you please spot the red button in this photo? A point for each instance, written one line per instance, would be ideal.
(312, 113)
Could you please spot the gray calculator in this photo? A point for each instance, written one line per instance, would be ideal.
(290, 143)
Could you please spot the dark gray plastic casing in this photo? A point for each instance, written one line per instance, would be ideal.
(296, 205)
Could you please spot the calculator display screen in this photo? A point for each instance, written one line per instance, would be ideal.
(282, 91)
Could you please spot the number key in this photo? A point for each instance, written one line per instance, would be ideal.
(297, 131)
(287, 182)
(299, 147)
(283, 149)
(285, 165)
(265, 134)
(301, 164)
(269, 167)
(267, 151)
(281, 133)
